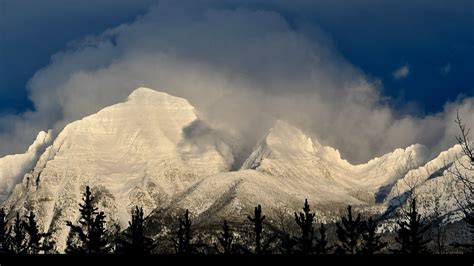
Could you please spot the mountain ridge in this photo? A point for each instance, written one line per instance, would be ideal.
(152, 150)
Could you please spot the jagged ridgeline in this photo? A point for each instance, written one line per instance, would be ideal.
(153, 151)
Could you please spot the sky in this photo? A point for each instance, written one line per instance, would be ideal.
(353, 74)
(32, 31)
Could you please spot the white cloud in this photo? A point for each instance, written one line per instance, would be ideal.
(401, 72)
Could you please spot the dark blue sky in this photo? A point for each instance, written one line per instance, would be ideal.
(435, 39)
(32, 31)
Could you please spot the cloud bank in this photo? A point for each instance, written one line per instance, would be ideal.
(241, 68)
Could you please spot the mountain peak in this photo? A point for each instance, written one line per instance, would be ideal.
(282, 140)
(141, 92)
(14, 167)
(288, 139)
(415, 154)
(153, 151)
(162, 100)
(143, 151)
(43, 138)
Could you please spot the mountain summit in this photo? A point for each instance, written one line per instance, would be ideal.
(14, 167)
(287, 151)
(153, 151)
(140, 152)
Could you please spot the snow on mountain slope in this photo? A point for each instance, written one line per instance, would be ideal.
(153, 151)
(140, 152)
(233, 195)
(14, 167)
(438, 167)
(287, 152)
(436, 188)
(434, 182)
(287, 167)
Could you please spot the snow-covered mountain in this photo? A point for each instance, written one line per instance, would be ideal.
(14, 167)
(434, 182)
(143, 152)
(287, 152)
(287, 166)
(153, 151)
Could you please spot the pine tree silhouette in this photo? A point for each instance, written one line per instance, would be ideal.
(37, 241)
(305, 222)
(97, 236)
(136, 242)
(17, 242)
(371, 242)
(225, 243)
(349, 233)
(91, 231)
(410, 234)
(4, 232)
(260, 246)
(182, 242)
(322, 246)
(257, 220)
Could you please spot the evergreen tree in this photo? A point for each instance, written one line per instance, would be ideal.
(4, 232)
(225, 243)
(305, 222)
(91, 230)
(349, 233)
(17, 242)
(137, 242)
(182, 243)
(410, 233)
(322, 246)
(257, 220)
(37, 241)
(371, 242)
(260, 245)
(98, 243)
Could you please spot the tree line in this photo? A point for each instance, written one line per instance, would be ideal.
(89, 236)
